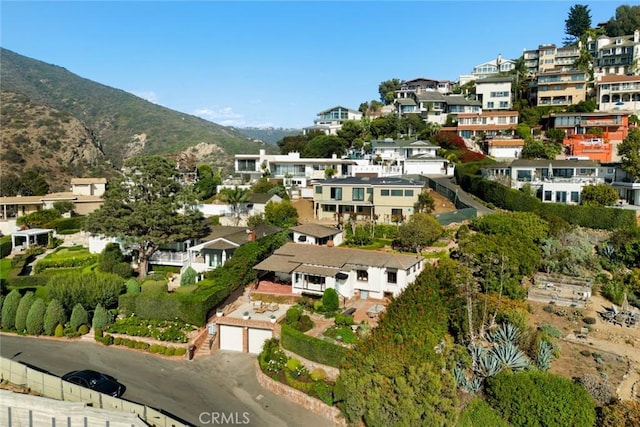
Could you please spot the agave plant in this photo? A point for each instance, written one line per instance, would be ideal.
(488, 365)
(543, 359)
(509, 356)
(503, 334)
(460, 377)
(477, 354)
(474, 385)
(608, 252)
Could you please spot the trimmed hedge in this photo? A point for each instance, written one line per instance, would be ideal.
(28, 281)
(312, 348)
(65, 224)
(76, 261)
(5, 246)
(514, 200)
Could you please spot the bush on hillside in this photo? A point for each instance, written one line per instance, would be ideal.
(23, 310)
(54, 316)
(35, 317)
(9, 309)
(79, 316)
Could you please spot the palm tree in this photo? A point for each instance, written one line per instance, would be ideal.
(425, 203)
(235, 197)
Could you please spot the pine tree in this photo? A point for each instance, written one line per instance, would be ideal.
(35, 317)
(101, 317)
(54, 316)
(79, 316)
(23, 310)
(9, 309)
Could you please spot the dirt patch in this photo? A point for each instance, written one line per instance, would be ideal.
(608, 351)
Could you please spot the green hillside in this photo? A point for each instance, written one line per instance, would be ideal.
(120, 123)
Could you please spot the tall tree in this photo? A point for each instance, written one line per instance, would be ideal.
(33, 183)
(324, 146)
(577, 23)
(387, 90)
(146, 208)
(627, 20)
(419, 231)
(629, 151)
(282, 214)
(425, 203)
(599, 195)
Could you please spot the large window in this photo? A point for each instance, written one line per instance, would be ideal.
(358, 194)
(396, 193)
(246, 165)
(384, 192)
(362, 275)
(318, 189)
(336, 193)
(392, 277)
(575, 197)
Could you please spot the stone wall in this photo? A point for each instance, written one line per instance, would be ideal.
(298, 397)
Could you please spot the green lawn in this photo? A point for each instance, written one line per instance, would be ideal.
(68, 252)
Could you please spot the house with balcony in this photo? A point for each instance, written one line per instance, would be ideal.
(628, 189)
(317, 234)
(488, 69)
(495, 93)
(86, 195)
(490, 124)
(300, 169)
(618, 93)
(458, 104)
(555, 181)
(560, 88)
(211, 251)
(391, 150)
(421, 84)
(386, 199)
(615, 55)
(581, 141)
(330, 121)
(310, 269)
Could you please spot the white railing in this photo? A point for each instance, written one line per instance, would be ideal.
(169, 257)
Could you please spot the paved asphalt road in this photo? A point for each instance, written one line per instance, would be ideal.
(223, 383)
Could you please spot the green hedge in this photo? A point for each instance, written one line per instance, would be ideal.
(28, 281)
(5, 246)
(312, 348)
(514, 200)
(64, 224)
(76, 261)
(194, 307)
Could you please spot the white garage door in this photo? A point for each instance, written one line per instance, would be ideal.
(230, 338)
(257, 338)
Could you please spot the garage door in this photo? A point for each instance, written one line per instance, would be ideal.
(230, 338)
(257, 338)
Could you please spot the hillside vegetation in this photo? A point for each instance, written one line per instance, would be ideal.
(66, 125)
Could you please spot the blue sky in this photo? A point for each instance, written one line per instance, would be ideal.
(278, 64)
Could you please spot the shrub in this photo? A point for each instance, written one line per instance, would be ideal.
(170, 351)
(293, 364)
(330, 300)
(624, 413)
(54, 316)
(23, 310)
(101, 317)
(180, 351)
(133, 287)
(585, 353)
(5, 246)
(344, 319)
(293, 315)
(9, 309)
(35, 317)
(154, 348)
(312, 348)
(59, 332)
(79, 316)
(589, 320)
(551, 330)
(318, 306)
(304, 324)
(540, 398)
(479, 413)
(98, 333)
(322, 391)
(318, 374)
(83, 330)
(87, 289)
(188, 277)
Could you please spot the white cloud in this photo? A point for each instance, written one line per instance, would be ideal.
(150, 96)
(224, 116)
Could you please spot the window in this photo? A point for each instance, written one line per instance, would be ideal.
(384, 192)
(392, 277)
(246, 165)
(369, 190)
(561, 197)
(489, 104)
(318, 189)
(316, 280)
(336, 193)
(302, 238)
(408, 193)
(396, 193)
(547, 196)
(504, 104)
(575, 197)
(362, 275)
(357, 194)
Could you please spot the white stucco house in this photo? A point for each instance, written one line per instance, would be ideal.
(310, 269)
(317, 234)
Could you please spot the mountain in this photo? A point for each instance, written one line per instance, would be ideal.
(67, 125)
(268, 135)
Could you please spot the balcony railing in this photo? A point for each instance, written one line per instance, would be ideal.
(169, 258)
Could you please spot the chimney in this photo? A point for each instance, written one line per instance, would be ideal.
(636, 36)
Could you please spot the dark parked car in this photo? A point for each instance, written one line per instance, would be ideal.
(96, 381)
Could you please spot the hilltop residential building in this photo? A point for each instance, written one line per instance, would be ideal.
(317, 234)
(488, 123)
(495, 93)
(615, 55)
(387, 199)
(299, 169)
(580, 140)
(561, 87)
(310, 269)
(330, 121)
(504, 148)
(489, 69)
(393, 150)
(458, 104)
(549, 57)
(618, 93)
(557, 181)
(421, 84)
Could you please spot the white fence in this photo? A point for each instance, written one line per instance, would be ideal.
(53, 387)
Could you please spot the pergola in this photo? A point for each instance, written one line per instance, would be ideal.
(30, 236)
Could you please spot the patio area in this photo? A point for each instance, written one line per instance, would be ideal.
(272, 287)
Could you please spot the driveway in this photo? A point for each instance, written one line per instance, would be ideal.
(194, 391)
